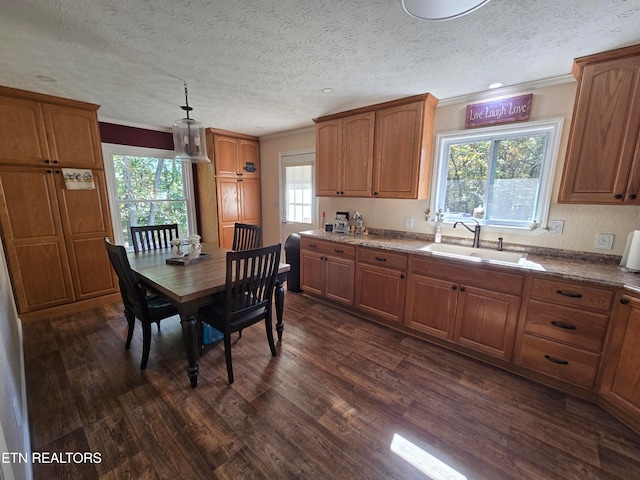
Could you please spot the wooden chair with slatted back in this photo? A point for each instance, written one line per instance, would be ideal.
(246, 237)
(250, 280)
(137, 303)
(152, 237)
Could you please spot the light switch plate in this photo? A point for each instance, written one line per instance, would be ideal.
(408, 222)
(604, 241)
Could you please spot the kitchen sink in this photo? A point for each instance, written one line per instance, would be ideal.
(476, 254)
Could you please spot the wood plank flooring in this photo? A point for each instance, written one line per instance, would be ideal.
(327, 407)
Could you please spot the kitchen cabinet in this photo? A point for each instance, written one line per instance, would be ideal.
(344, 159)
(474, 307)
(403, 149)
(53, 236)
(381, 151)
(238, 201)
(564, 330)
(229, 190)
(381, 283)
(602, 165)
(620, 380)
(328, 270)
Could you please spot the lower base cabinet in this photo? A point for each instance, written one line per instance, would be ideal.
(620, 379)
(328, 270)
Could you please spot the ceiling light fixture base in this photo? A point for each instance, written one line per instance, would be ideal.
(438, 10)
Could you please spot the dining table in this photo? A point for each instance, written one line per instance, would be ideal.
(194, 285)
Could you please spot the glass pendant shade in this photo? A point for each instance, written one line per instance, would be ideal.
(189, 141)
(440, 9)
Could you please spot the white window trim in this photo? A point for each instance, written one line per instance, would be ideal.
(110, 149)
(554, 126)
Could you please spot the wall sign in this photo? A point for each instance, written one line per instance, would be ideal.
(504, 110)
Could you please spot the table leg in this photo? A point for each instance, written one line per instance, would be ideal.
(190, 336)
(279, 301)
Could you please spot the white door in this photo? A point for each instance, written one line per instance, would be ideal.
(298, 202)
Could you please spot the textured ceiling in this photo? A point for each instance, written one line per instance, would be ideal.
(258, 66)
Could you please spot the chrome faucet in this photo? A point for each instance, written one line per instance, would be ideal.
(475, 231)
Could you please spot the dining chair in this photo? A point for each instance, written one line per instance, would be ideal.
(250, 279)
(149, 308)
(152, 237)
(246, 236)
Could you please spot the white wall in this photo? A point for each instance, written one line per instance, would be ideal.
(581, 222)
(14, 428)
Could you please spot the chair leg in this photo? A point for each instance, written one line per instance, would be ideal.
(131, 321)
(227, 354)
(146, 344)
(269, 326)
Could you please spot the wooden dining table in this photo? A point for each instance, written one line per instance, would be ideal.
(192, 286)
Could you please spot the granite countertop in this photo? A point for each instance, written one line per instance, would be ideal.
(599, 269)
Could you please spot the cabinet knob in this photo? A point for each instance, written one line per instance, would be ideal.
(618, 196)
(462, 289)
(55, 161)
(454, 287)
(633, 196)
(47, 161)
(402, 275)
(375, 193)
(624, 301)
(49, 171)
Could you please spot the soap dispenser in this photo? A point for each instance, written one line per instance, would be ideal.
(438, 238)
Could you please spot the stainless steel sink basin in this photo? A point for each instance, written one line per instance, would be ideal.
(476, 254)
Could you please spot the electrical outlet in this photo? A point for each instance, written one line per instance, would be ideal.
(604, 241)
(556, 226)
(408, 222)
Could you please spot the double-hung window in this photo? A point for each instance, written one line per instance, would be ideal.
(148, 187)
(500, 176)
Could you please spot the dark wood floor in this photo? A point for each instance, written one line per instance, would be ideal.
(328, 406)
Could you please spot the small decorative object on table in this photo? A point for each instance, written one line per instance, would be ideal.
(194, 246)
(176, 247)
(195, 251)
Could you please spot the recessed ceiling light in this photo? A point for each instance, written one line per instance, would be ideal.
(440, 9)
(327, 90)
(496, 85)
(46, 78)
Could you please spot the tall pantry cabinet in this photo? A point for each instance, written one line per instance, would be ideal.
(53, 237)
(229, 190)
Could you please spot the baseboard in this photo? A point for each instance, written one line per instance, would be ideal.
(69, 308)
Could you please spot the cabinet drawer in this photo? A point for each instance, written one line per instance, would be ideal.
(561, 361)
(383, 258)
(484, 277)
(574, 327)
(330, 248)
(572, 294)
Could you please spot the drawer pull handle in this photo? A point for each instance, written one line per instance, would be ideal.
(566, 326)
(556, 360)
(381, 259)
(337, 250)
(569, 294)
(313, 245)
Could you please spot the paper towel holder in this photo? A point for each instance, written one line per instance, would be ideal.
(631, 256)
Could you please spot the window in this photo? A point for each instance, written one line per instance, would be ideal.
(299, 193)
(147, 187)
(500, 176)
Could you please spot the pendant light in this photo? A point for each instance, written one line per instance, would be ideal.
(440, 9)
(189, 137)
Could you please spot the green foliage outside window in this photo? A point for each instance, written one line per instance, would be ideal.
(150, 192)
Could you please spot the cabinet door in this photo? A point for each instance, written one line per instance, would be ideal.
(398, 151)
(312, 272)
(604, 131)
(431, 306)
(86, 221)
(381, 291)
(250, 202)
(329, 158)
(22, 133)
(248, 158)
(486, 321)
(73, 136)
(33, 238)
(229, 194)
(357, 154)
(225, 156)
(621, 368)
(339, 279)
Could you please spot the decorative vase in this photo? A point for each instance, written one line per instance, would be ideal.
(177, 251)
(195, 250)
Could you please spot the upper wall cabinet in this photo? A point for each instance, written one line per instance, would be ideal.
(344, 156)
(381, 151)
(603, 154)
